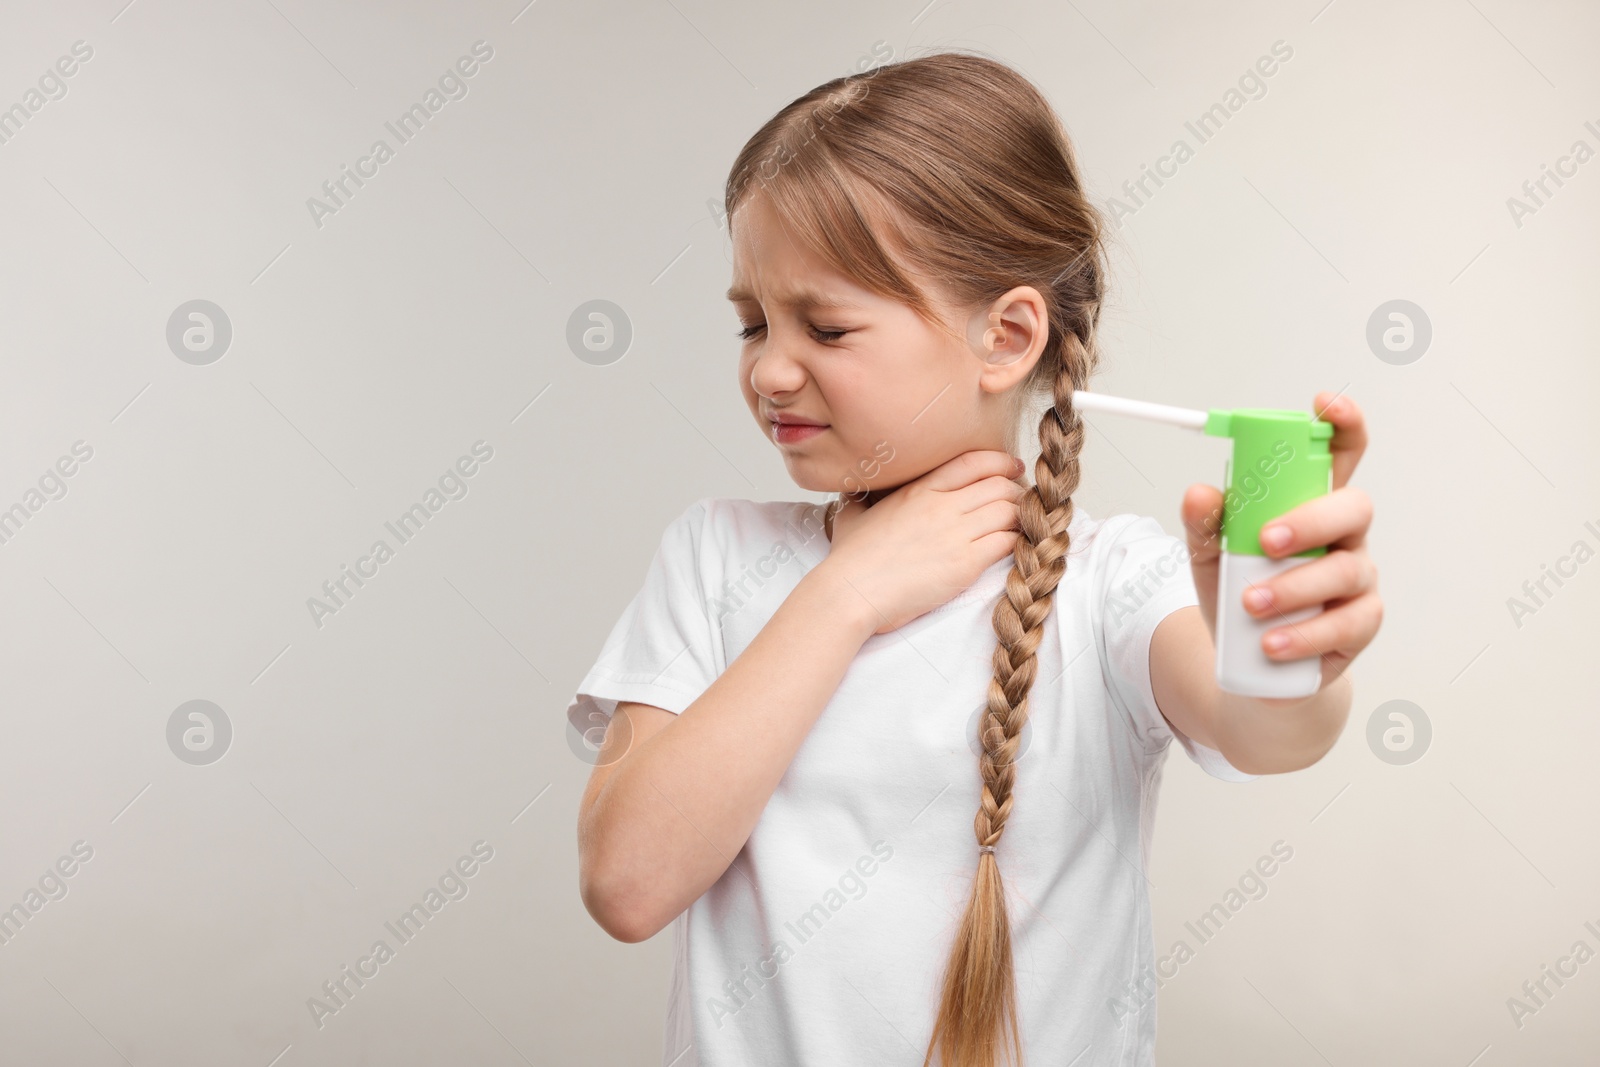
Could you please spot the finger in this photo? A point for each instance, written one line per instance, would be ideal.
(1000, 515)
(1202, 518)
(987, 490)
(969, 466)
(1338, 519)
(1341, 630)
(992, 548)
(1340, 575)
(1349, 433)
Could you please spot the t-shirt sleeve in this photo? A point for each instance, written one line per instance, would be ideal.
(664, 649)
(1146, 578)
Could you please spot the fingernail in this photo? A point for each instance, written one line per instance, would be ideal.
(1277, 641)
(1021, 466)
(1256, 599)
(1275, 536)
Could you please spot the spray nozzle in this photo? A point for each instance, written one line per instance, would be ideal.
(1216, 422)
(1280, 459)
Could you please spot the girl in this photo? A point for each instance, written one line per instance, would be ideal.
(795, 700)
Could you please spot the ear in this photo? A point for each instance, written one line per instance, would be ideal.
(1008, 336)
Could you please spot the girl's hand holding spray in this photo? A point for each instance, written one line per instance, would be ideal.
(1280, 460)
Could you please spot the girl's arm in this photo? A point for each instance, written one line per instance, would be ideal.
(662, 822)
(1258, 735)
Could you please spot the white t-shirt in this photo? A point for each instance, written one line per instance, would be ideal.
(826, 939)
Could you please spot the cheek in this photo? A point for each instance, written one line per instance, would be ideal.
(908, 395)
(855, 394)
(883, 387)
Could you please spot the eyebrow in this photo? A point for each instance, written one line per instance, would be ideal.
(802, 298)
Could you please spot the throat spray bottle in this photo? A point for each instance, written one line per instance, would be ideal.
(1280, 460)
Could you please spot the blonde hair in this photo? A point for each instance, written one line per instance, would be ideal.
(971, 180)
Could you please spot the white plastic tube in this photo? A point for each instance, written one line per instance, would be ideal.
(1143, 409)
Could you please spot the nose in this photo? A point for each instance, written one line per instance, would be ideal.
(774, 369)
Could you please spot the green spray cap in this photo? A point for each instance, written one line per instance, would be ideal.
(1280, 460)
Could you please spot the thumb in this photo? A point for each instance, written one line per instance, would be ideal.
(1202, 521)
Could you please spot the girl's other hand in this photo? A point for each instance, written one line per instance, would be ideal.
(929, 539)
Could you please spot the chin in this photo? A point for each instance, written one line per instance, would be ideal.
(841, 483)
(805, 476)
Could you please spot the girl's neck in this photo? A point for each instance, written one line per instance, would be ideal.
(871, 498)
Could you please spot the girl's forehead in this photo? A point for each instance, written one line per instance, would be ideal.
(791, 277)
(764, 245)
(803, 293)
(773, 267)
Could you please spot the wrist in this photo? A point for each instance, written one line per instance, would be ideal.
(840, 601)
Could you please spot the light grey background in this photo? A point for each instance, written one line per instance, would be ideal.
(430, 313)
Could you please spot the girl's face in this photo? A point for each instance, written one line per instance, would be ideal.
(893, 397)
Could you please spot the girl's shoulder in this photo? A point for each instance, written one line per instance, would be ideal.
(1125, 543)
(1106, 533)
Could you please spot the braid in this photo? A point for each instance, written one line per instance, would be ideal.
(983, 942)
(1041, 559)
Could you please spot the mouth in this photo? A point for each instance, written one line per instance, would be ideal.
(793, 433)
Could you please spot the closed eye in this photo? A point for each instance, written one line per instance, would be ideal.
(748, 332)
